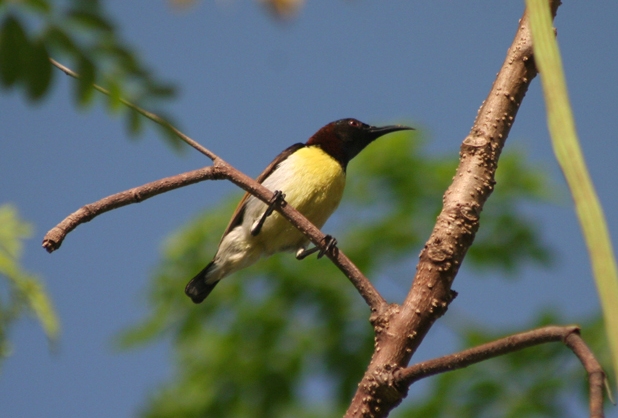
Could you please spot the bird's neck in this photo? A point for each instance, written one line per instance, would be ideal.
(330, 144)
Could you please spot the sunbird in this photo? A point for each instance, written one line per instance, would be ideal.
(311, 178)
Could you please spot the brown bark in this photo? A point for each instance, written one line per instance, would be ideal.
(402, 328)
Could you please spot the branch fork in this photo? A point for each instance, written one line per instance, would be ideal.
(399, 329)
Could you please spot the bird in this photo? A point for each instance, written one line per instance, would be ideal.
(309, 176)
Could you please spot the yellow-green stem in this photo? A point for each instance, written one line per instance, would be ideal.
(569, 155)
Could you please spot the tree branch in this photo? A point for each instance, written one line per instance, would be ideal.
(153, 117)
(401, 329)
(53, 239)
(506, 345)
(596, 375)
(569, 335)
(219, 170)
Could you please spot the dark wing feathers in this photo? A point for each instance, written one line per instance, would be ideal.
(239, 213)
(198, 289)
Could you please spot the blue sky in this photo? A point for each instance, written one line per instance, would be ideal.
(249, 87)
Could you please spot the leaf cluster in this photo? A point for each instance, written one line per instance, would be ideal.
(20, 292)
(78, 31)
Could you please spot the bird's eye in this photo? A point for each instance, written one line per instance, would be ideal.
(354, 123)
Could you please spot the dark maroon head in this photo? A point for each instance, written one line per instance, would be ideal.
(345, 138)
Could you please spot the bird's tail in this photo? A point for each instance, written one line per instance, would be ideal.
(198, 288)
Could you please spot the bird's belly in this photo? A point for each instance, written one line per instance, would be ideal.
(313, 183)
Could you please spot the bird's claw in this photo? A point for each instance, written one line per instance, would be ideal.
(331, 246)
(277, 199)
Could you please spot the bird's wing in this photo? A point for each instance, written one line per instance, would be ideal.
(239, 213)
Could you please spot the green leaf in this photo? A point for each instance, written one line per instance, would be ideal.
(39, 6)
(57, 37)
(115, 95)
(89, 20)
(12, 232)
(38, 71)
(41, 305)
(160, 90)
(87, 6)
(85, 36)
(26, 291)
(122, 54)
(14, 47)
(168, 133)
(134, 122)
(85, 83)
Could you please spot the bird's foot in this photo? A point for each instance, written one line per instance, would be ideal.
(303, 253)
(277, 199)
(331, 246)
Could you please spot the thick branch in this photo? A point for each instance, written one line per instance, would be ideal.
(219, 170)
(403, 327)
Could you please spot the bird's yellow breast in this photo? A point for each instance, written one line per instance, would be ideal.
(313, 183)
(317, 184)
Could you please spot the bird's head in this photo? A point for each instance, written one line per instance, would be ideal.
(345, 138)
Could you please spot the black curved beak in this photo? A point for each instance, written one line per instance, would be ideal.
(378, 131)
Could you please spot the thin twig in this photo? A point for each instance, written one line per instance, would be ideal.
(569, 335)
(153, 117)
(219, 170)
(53, 239)
(505, 345)
(596, 376)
